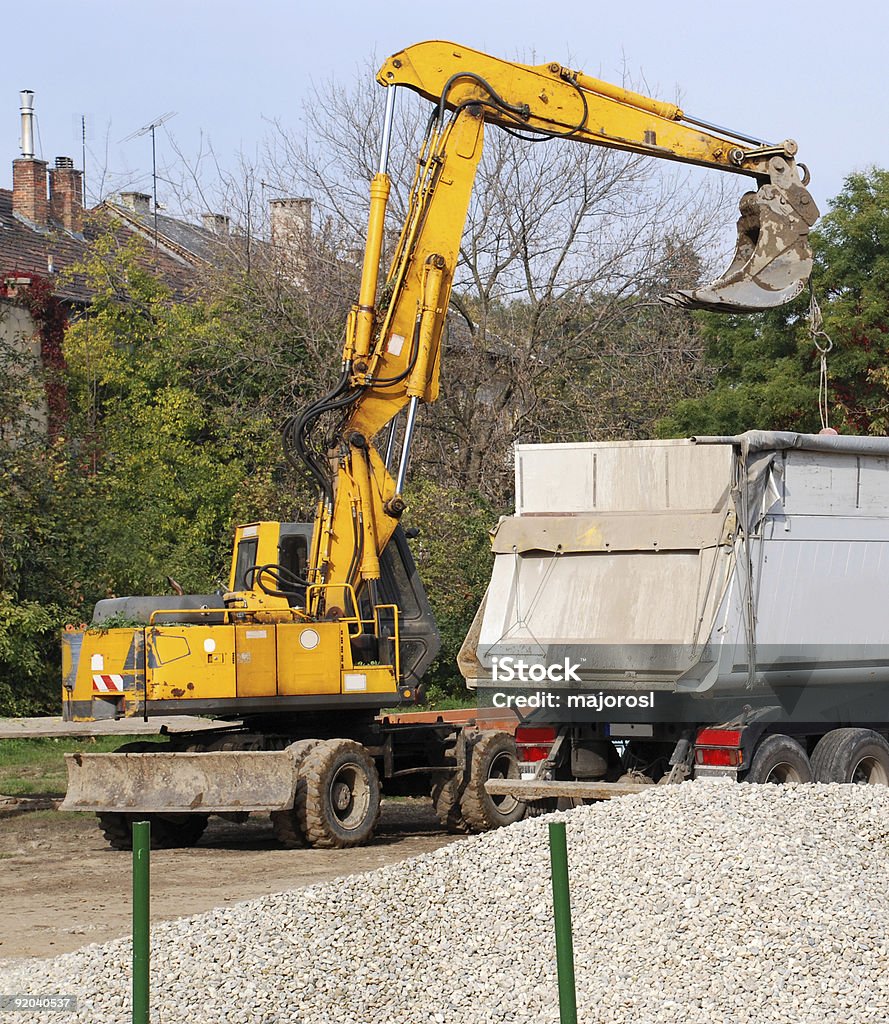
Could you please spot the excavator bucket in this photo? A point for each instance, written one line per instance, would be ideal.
(773, 259)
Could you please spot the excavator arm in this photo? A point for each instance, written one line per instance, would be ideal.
(772, 260)
(392, 349)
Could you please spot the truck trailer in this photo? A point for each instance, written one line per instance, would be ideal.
(718, 602)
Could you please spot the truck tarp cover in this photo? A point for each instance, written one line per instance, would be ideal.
(757, 450)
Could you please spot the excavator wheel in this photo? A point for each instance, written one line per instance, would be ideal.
(284, 823)
(139, 747)
(446, 801)
(338, 797)
(447, 788)
(168, 832)
(493, 757)
(537, 808)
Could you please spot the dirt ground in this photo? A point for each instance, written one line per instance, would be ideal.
(61, 887)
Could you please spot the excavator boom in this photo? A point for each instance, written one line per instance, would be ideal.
(392, 348)
(772, 259)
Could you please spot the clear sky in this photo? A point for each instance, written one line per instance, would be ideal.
(817, 71)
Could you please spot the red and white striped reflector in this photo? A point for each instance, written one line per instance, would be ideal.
(107, 684)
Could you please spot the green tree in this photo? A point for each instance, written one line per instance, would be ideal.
(454, 559)
(159, 469)
(171, 437)
(768, 366)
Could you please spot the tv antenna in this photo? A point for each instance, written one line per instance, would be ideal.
(152, 128)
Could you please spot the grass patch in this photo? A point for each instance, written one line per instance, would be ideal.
(37, 766)
(448, 703)
(54, 816)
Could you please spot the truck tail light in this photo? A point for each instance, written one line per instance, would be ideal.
(718, 748)
(533, 742)
(715, 757)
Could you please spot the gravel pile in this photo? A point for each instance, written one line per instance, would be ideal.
(708, 902)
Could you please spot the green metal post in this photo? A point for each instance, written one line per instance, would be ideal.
(141, 941)
(558, 856)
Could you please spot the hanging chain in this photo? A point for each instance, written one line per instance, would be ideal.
(823, 343)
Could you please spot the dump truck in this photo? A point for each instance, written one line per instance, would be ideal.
(324, 625)
(717, 604)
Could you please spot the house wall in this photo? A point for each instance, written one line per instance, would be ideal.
(19, 352)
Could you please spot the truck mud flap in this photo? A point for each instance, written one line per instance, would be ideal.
(217, 781)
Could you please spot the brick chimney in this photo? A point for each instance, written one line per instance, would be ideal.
(29, 190)
(66, 194)
(291, 221)
(28, 174)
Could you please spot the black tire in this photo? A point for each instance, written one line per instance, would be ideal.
(446, 801)
(856, 756)
(447, 788)
(493, 757)
(285, 824)
(168, 832)
(338, 796)
(537, 808)
(117, 830)
(142, 747)
(779, 759)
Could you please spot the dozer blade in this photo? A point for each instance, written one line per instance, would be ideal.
(177, 782)
(773, 258)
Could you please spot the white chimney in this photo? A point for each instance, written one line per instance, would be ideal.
(138, 202)
(218, 223)
(27, 109)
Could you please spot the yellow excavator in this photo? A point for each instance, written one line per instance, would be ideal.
(326, 624)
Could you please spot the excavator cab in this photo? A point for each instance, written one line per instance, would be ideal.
(271, 559)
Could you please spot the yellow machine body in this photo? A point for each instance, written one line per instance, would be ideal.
(218, 669)
(255, 655)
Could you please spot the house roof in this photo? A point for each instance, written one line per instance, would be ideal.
(28, 250)
(53, 251)
(187, 243)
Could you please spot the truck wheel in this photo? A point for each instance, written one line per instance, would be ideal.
(859, 756)
(537, 808)
(493, 757)
(285, 824)
(338, 799)
(168, 832)
(779, 759)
